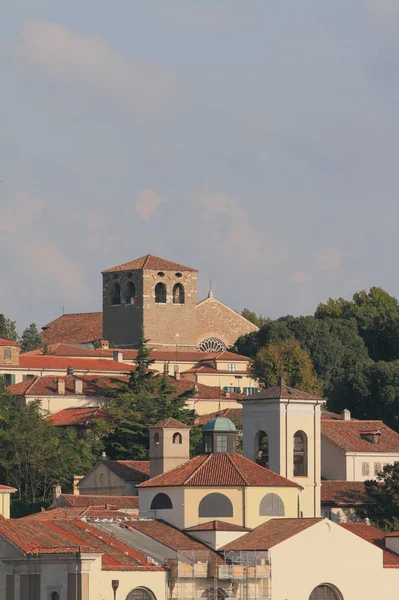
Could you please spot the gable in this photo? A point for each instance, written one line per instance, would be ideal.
(215, 319)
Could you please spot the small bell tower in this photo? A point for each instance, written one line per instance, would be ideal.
(169, 446)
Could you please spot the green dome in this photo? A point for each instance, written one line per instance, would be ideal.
(220, 424)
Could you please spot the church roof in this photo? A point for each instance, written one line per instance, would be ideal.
(170, 424)
(217, 526)
(219, 470)
(85, 500)
(284, 392)
(219, 423)
(150, 262)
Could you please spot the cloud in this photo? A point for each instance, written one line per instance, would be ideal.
(88, 63)
(22, 212)
(147, 203)
(331, 259)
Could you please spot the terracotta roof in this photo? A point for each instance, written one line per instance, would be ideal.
(348, 436)
(64, 536)
(129, 470)
(283, 392)
(7, 488)
(326, 414)
(271, 533)
(4, 342)
(170, 423)
(343, 492)
(234, 414)
(152, 263)
(92, 385)
(34, 361)
(169, 536)
(375, 537)
(204, 392)
(86, 513)
(82, 416)
(217, 526)
(219, 470)
(76, 328)
(84, 500)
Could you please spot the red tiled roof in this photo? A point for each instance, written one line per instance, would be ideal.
(219, 470)
(343, 492)
(77, 328)
(4, 342)
(84, 500)
(92, 385)
(375, 537)
(129, 470)
(282, 392)
(72, 513)
(65, 536)
(204, 392)
(234, 414)
(152, 263)
(217, 526)
(271, 533)
(34, 361)
(7, 488)
(76, 416)
(347, 435)
(170, 423)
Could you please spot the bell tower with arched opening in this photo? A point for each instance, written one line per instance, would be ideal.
(281, 430)
(169, 446)
(155, 293)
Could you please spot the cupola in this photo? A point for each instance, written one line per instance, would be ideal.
(219, 435)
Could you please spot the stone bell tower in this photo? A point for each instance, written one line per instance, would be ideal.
(289, 420)
(169, 446)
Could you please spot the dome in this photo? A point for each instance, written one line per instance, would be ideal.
(219, 424)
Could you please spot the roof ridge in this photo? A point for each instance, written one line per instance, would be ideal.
(236, 468)
(199, 468)
(146, 259)
(34, 380)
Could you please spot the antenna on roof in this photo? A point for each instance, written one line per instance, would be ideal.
(63, 300)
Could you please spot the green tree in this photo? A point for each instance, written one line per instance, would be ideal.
(251, 316)
(287, 359)
(31, 338)
(8, 329)
(382, 499)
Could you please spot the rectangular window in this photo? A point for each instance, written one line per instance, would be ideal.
(26, 377)
(377, 468)
(175, 369)
(221, 443)
(232, 366)
(208, 443)
(250, 391)
(232, 388)
(365, 469)
(9, 379)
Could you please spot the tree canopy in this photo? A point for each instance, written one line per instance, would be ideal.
(8, 329)
(382, 499)
(31, 338)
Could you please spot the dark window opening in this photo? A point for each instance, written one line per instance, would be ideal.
(140, 594)
(160, 293)
(54, 596)
(325, 592)
(161, 502)
(208, 443)
(130, 295)
(156, 438)
(262, 449)
(116, 294)
(178, 294)
(177, 438)
(300, 454)
(215, 505)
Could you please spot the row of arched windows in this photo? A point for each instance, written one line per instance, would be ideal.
(218, 505)
(176, 439)
(129, 293)
(300, 452)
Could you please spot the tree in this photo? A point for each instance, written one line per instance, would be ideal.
(251, 316)
(8, 329)
(382, 499)
(287, 359)
(31, 338)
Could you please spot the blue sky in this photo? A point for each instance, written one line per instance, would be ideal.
(256, 141)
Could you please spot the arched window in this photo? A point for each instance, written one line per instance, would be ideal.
(160, 293)
(271, 505)
(300, 454)
(130, 293)
(140, 593)
(116, 294)
(178, 294)
(7, 354)
(262, 449)
(213, 594)
(212, 345)
(156, 438)
(161, 501)
(325, 592)
(177, 438)
(54, 596)
(215, 505)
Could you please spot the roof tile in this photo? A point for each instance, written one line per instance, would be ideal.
(77, 328)
(152, 263)
(347, 435)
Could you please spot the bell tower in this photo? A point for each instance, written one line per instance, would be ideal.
(281, 430)
(169, 446)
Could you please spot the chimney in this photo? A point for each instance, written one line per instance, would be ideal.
(177, 374)
(345, 415)
(57, 491)
(105, 344)
(118, 356)
(78, 386)
(61, 387)
(76, 479)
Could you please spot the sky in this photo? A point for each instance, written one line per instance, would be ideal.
(256, 141)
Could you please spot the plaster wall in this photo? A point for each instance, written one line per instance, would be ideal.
(102, 481)
(175, 516)
(333, 461)
(375, 461)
